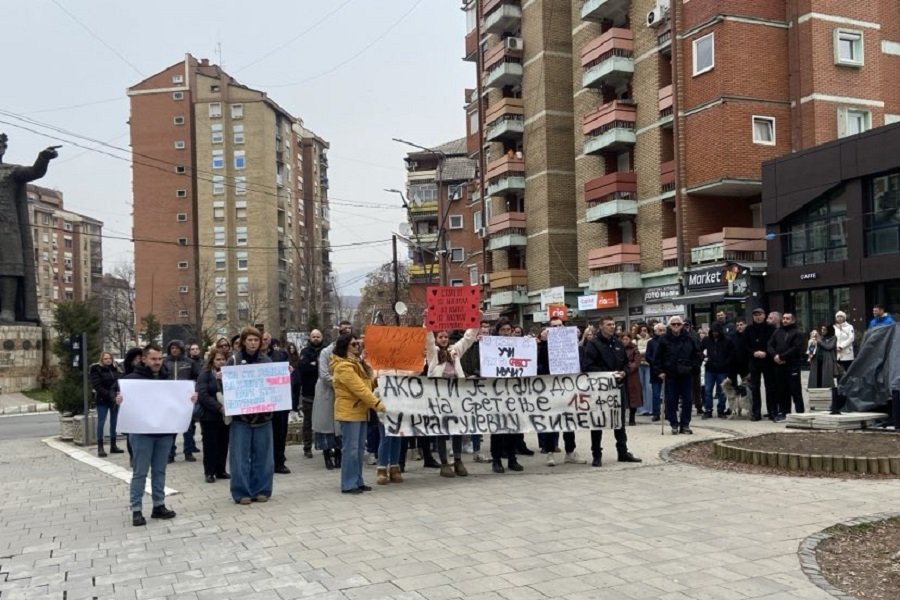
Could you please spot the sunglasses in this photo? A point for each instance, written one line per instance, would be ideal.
(676, 324)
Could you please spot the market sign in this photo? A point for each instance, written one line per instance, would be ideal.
(704, 279)
(662, 293)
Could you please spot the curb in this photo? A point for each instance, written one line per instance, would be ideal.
(807, 553)
(25, 409)
(98, 463)
(814, 463)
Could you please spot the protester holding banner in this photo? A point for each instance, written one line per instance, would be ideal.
(212, 416)
(443, 360)
(549, 441)
(676, 358)
(353, 397)
(606, 353)
(325, 428)
(503, 444)
(471, 364)
(250, 444)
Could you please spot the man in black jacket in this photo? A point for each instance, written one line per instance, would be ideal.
(272, 349)
(605, 353)
(676, 358)
(307, 374)
(788, 349)
(719, 360)
(180, 367)
(756, 345)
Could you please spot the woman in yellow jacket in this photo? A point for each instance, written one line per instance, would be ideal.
(353, 397)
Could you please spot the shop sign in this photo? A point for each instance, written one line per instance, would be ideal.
(662, 292)
(806, 276)
(635, 311)
(558, 311)
(704, 280)
(554, 295)
(600, 300)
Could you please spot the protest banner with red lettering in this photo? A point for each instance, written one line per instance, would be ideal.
(256, 388)
(395, 348)
(453, 307)
(503, 356)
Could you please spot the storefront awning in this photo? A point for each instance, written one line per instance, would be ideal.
(707, 297)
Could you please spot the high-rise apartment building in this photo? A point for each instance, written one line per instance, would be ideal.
(218, 182)
(68, 251)
(626, 138)
(316, 279)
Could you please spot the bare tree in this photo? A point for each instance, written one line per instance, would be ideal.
(117, 309)
(378, 298)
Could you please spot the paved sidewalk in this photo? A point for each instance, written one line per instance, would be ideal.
(18, 403)
(658, 530)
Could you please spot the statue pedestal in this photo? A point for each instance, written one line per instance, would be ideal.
(21, 357)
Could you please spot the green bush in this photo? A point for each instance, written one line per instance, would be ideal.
(72, 318)
(67, 393)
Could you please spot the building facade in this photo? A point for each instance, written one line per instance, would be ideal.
(642, 127)
(835, 210)
(316, 277)
(68, 251)
(217, 181)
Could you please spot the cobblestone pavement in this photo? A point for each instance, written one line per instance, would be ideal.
(658, 530)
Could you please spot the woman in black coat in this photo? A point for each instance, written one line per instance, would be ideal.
(212, 416)
(104, 377)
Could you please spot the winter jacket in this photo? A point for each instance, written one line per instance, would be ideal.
(822, 361)
(353, 387)
(323, 406)
(457, 350)
(208, 385)
(633, 376)
(677, 355)
(471, 361)
(652, 346)
(789, 344)
(105, 383)
(308, 370)
(719, 351)
(543, 358)
(243, 358)
(756, 339)
(741, 362)
(603, 354)
(885, 319)
(180, 368)
(845, 336)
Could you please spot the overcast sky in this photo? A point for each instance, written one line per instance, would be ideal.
(358, 72)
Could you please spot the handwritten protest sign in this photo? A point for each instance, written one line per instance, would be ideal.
(438, 406)
(153, 406)
(399, 348)
(508, 356)
(562, 350)
(261, 387)
(453, 307)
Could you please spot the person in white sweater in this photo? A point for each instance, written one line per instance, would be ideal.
(845, 335)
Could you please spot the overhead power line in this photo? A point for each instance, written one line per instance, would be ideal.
(98, 38)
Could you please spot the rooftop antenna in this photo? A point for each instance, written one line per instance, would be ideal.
(219, 55)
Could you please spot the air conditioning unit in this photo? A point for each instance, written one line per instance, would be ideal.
(485, 279)
(482, 233)
(513, 43)
(659, 13)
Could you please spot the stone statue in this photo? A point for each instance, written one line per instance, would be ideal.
(18, 291)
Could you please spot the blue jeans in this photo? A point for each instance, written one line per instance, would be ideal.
(149, 452)
(657, 396)
(679, 393)
(476, 443)
(646, 391)
(388, 450)
(113, 412)
(714, 379)
(354, 434)
(251, 459)
(190, 446)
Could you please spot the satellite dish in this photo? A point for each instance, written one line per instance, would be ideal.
(400, 308)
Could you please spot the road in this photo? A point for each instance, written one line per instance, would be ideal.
(29, 426)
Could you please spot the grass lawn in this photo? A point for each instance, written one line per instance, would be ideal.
(39, 395)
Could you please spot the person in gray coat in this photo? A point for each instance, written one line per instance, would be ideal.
(326, 430)
(821, 363)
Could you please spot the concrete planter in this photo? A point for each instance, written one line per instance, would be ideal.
(66, 428)
(884, 465)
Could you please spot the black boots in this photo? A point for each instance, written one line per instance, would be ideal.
(329, 464)
(497, 466)
(626, 456)
(598, 459)
(100, 451)
(337, 458)
(113, 449)
(161, 512)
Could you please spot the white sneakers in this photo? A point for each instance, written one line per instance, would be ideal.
(550, 461)
(572, 458)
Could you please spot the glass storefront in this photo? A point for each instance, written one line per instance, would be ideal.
(813, 308)
(886, 293)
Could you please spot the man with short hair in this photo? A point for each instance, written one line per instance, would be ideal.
(272, 348)
(605, 353)
(307, 374)
(787, 349)
(880, 317)
(549, 441)
(180, 367)
(676, 358)
(659, 330)
(727, 325)
(756, 345)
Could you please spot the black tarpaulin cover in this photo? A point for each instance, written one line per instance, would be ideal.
(875, 372)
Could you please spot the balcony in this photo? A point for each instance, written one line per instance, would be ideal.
(603, 10)
(428, 239)
(505, 119)
(670, 252)
(608, 59)
(422, 271)
(609, 128)
(667, 176)
(616, 267)
(507, 230)
(471, 54)
(508, 278)
(665, 102)
(613, 195)
(423, 209)
(501, 16)
(505, 175)
(507, 297)
(503, 74)
(732, 244)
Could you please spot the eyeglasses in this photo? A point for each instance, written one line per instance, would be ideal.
(354, 344)
(676, 324)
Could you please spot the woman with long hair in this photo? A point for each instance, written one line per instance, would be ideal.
(104, 377)
(443, 360)
(353, 397)
(504, 444)
(632, 376)
(212, 415)
(822, 359)
(293, 355)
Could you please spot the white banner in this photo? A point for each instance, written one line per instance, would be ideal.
(256, 388)
(562, 350)
(154, 406)
(503, 356)
(554, 295)
(440, 406)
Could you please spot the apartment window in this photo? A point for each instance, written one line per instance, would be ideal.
(422, 192)
(217, 135)
(239, 162)
(181, 193)
(243, 261)
(219, 260)
(221, 311)
(818, 233)
(882, 222)
(704, 54)
(456, 222)
(237, 111)
(177, 95)
(240, 235)
(214, 88)
(240, 186)
(456, 282)
(68, 226)
(219, 284)
(457, 255)
(473, 123)
(219, 236)
(848, 48)
(243, 311)
(243, 286)
(177, 78)
(179, 169)
(183, 289)
(240, 209)
(853, 120)
(181, 217)
(219, 211)
(764, 130)
(68, 244)
(215, 110)
(179, 120)
(182, 265)
(238, 131)
(218, 185)
(218, 159)
(473, 275)
(182, 241)
(477, 222)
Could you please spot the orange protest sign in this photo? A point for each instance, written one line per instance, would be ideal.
(398, 348)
